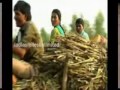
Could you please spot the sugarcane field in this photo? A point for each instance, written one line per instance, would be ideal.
(69, 56)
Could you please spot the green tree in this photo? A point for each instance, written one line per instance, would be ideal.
(99, 21)
(65, 28)
(72, 25)
(91, 32)
(45, 35)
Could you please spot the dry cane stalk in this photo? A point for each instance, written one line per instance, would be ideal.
(82, 60)
(65, 70)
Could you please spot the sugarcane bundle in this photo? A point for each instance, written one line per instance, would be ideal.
(76, 65)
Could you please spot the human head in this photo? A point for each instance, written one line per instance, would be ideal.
(22, 13)
(79, 25)
(56, 17)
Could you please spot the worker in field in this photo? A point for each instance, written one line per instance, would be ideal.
(56, 22)
(100, 39)
(28, 34)
(80, 28)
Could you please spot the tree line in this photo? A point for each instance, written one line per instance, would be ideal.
(92, 31)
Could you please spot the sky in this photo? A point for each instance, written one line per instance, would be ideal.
(41, 12)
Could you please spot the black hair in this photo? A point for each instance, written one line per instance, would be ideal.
(24, 8)
(57, 12)
(80, 21)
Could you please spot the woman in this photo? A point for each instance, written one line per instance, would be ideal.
(56, 22)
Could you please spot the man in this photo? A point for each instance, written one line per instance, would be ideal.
(27, 35)
(80, 28)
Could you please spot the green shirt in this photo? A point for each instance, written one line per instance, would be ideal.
(84, 35)
(57, 31)
(27, 35)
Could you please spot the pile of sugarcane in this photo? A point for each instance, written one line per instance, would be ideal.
(76, 64)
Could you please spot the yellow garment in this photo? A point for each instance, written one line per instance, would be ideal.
(54, 34)
(97, 38)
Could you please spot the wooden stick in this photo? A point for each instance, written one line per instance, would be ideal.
(65, 71)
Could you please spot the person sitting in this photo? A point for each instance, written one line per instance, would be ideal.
(56, 22)
(80, 28)
(28, 34)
